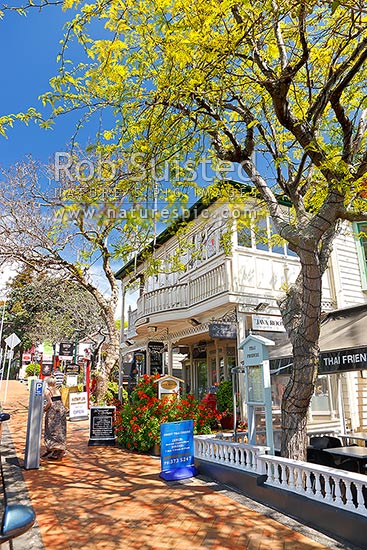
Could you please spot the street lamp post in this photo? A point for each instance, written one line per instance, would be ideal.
(1, 328)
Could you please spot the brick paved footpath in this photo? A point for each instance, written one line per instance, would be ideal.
(104, 498)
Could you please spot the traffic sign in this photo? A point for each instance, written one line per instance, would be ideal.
(12, 340)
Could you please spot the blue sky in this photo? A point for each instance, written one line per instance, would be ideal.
(28, 50)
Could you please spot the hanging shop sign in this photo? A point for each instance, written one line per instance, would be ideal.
(268, 323)
(343, 360)
(156, 350)
(223, 330)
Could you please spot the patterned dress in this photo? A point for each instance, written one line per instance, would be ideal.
(55, 425)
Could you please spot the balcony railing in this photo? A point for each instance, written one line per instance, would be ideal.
(184, 295)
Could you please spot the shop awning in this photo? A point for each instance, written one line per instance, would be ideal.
(343, 342)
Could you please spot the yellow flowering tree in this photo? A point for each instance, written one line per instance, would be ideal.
(279, 81)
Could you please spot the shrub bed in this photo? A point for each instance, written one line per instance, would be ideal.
(138, 422)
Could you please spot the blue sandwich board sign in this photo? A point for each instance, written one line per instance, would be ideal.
(177, 450)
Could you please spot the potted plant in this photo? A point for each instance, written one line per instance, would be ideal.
(225, 404)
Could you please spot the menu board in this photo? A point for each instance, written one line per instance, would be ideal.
(102, 426)
(255, 384)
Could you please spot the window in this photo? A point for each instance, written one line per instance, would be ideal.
(262, 234)
(244, 233)
(324, 399)
(360, 229)
(259, 234)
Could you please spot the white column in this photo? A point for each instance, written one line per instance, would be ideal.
(192, 371)
(122, 340)
(170, 357)
(217, 365)
(227, 375)
(147, 359)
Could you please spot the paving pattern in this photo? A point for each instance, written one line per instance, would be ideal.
(104, 498)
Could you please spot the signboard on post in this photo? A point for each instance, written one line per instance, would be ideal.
(258, 385)
(66, 349)
(177, 450)
(12, 341)
(169, 385)
(102, 426)
(34, 425)
(46, 368)
(72, 372)
(72, 369)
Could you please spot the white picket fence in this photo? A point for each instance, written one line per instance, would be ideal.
(338, 488)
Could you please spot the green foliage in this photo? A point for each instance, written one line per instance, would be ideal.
(41, 307)
(225, 397)
(33, 369)
(138, 423)
(112, 392)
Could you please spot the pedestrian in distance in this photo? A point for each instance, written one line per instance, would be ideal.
(55, 422)
(93, 386)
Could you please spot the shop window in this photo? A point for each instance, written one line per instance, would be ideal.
(202, 375)
(360, 229)
(324, 399)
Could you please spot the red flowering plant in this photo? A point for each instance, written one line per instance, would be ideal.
(138, 422)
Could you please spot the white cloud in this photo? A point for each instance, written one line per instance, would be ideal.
(7, 272)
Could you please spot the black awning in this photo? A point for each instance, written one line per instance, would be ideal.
(343, 342)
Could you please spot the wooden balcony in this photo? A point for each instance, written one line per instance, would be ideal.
(183, 295)
(247, 276)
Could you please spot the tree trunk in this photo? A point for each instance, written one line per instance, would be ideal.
(301, 311)
(296, 402)
(110, 359)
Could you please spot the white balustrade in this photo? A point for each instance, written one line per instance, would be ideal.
(208, 284)
(183, 295)
(336, 487)
(227, 453)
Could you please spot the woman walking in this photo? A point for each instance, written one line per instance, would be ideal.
(55, 422)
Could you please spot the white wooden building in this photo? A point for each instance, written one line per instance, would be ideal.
(202, 303)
